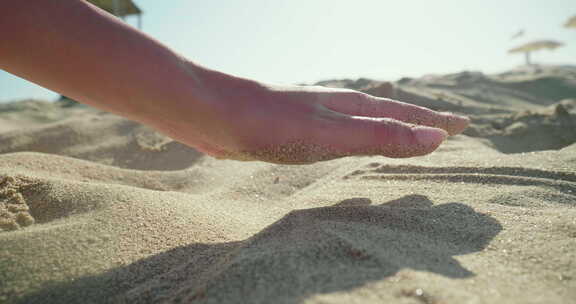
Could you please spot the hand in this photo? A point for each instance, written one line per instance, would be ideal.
(301, 125)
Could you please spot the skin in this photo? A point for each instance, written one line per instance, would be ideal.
(80, 51)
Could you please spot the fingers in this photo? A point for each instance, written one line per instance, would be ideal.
(360, 104)
(343, 135)
(356, 135)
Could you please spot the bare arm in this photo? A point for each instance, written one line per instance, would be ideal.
(82, 52)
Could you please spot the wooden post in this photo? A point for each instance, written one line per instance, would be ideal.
(116, 7)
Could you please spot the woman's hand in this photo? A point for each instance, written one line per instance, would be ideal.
(300, 124)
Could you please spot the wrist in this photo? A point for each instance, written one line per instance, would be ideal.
(201, 101)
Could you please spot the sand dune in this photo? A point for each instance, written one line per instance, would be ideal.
(98, 209)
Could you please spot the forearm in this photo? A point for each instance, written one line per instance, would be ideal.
(82, 52)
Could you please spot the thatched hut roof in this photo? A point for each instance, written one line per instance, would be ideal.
(571, 22)
(120, 8)
(536, 45)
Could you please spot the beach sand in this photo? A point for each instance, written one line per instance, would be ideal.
(97, 209)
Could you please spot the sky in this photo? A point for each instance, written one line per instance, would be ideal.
(304, 41)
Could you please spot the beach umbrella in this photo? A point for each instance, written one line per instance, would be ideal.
(571, 23)
(120, 8)
(529, 47)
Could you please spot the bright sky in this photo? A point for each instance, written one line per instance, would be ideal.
(303, 41)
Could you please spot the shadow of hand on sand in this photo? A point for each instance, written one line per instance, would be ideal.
(307, 252)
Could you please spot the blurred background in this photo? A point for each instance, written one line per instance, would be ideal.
(298, 41)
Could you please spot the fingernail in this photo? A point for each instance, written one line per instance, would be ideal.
(455, 116)
(429, 136)
(456, 122)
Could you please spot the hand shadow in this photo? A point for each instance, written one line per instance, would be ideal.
(307, 252)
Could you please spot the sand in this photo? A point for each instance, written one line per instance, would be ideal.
(98, 209)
